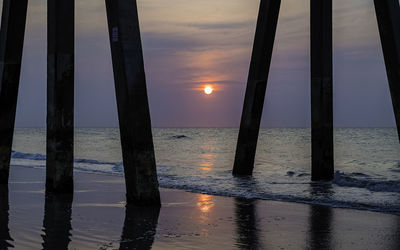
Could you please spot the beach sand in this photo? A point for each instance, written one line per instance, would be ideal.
(96, 218)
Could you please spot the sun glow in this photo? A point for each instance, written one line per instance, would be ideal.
(208, 90)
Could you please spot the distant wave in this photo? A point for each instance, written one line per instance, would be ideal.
(86, 165)
(40, 157)
(19, 155)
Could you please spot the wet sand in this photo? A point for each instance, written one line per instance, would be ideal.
(96, 218)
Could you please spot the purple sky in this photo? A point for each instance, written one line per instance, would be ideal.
(190, 43)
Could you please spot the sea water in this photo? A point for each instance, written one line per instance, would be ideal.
(367, 163)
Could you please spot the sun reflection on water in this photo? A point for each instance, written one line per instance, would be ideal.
(207, 163)
(205, 203)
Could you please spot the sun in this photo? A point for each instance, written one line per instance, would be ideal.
(208, 90)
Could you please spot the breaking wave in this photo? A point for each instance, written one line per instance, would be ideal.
(367, 182)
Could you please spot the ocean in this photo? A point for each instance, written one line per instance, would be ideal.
(200, 160)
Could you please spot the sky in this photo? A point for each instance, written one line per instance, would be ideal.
(190, 43)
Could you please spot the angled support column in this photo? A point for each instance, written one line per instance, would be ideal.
(321, 90)
(133, 109)
(388, 16)
(11, 45)
(60, 96)
(256, 87)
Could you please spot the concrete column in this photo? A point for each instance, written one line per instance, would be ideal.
(388, 15)
(256, 87)
(321, 90)
(11, 44)
(60, 96)
(133, 109)
(57, 221)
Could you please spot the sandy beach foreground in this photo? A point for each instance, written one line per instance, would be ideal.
(96, 218)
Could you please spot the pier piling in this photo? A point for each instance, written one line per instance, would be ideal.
(321, 90)
(256, 87)
(133, 109)
(11, 45)
(60, 96)
(388, 17)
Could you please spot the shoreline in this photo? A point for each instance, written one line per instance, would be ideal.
(338, 205)
(96, 218)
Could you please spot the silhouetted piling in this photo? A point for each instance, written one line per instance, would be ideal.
(11, 45)
(388, 16)
(256, 87)
(133, 109)
(60, 96)
(321, 90)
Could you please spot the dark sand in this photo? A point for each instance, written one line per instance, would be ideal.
(97, 219)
